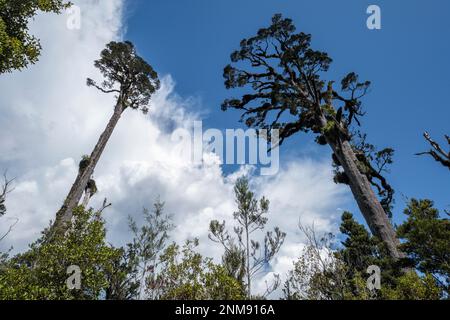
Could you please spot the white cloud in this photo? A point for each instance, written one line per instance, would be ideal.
(49, 118)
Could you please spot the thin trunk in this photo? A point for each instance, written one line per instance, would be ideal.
(365, 197)
(248, 262)
(142, 283)
(64, 215)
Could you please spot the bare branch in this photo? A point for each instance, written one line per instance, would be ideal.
(437, 152)
(4, 190)
(91, 83)
(11, 227)
(105, 205)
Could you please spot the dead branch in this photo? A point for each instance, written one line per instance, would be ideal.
(437, 152)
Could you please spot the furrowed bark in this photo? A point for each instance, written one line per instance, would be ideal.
(64, 215)
(362, 191)
(366, 199)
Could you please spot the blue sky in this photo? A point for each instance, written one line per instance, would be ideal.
(407, 62)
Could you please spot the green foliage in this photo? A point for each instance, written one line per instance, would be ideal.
(427, 240)
(41, 272)
(284, 76)
(361, 249)
(148, 243)
(123, 275)
(17, 47)
(233, 260)
(412, 287)
(126, 74)
(189, 276)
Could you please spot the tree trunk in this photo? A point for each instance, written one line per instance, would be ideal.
(87, 197)
(249, 280)
(364, 195)
(64, 215)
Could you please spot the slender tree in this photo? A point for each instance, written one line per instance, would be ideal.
(243, 258)
(133, 81)
(18, 48)
(437, 152)
(288, 93)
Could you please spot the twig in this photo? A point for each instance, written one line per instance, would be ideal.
(11, 227)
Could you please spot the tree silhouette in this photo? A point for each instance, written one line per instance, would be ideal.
(288, 93)
(133, 81)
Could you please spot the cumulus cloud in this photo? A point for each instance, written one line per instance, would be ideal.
(49, 119)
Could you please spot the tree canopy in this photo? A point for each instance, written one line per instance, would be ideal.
(18, 48)
(285, 87)
(126, 74)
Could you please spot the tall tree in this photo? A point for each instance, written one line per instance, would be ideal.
(288, 93)
(436, 151)
(133, 81)
(18, 48)
(243, 257)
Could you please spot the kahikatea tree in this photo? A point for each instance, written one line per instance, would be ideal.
(289, 93)
(133, 81)
(244, 257)
(437, 152)
(17, 47)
